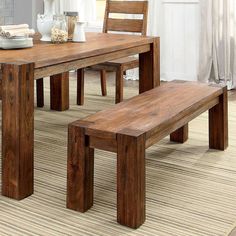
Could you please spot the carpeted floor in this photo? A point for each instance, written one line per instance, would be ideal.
(191, 190)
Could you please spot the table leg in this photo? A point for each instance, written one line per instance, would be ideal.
(180, 135)
(149, 68)
(40, 92)
(80, 170)
(131, 180)
(59, 91)
(119, 84)
(218, 123)
(17, 130)
(80, 87)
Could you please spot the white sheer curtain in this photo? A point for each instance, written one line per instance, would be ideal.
(86, 8)
(218, 42)
(154, 17)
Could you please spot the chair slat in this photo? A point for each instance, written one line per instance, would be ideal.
(124, 25)
(129, 7)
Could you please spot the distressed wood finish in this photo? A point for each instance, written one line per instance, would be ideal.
(149, 67)
(126, 25)
(98, 44)
(168, 107)
(127, 7)
(132, 126)
(39, 91)
(218, 123)
(79, 182)
(17, 130)
(123, 25)
(59, 92)
(119, 84)
(18, 89)
(131, 178)
(89, 61)
(180, 135)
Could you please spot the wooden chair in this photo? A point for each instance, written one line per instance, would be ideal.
(118, 25)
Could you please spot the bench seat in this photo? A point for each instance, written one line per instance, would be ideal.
(132, 126)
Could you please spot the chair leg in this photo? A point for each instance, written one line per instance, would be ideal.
(119, 84)
(40, 93)
(80, 87)
(103, 82)
(0, 89)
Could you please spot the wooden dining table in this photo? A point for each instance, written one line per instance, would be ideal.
(19, 69)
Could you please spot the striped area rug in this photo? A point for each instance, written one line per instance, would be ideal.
(191, 190)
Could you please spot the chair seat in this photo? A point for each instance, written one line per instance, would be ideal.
(126, 62)
(121, 61)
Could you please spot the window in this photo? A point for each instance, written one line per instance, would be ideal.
(100, 10)
(98, 23)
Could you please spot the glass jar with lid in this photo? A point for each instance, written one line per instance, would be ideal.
(59, 32)
(71, 19)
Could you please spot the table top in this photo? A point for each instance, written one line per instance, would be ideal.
(47, 54)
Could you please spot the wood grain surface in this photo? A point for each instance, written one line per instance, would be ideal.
(190, 190)
(59, 92)
(17, 130)
(134, 125)
(154, 110)
(79, 183)
(131, 178)
(127, 25)
(46, 59)
(46, 54)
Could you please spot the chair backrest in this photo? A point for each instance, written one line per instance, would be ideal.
(126, 25)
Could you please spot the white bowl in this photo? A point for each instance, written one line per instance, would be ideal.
(16, 43)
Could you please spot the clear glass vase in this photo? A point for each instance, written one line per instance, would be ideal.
(59, 33)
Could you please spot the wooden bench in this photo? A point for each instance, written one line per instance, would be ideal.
(128, 129)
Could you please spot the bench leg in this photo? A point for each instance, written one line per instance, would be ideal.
(59, 91)
(180, 135)
(131, 180)
(80, 168)
(218, 124)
